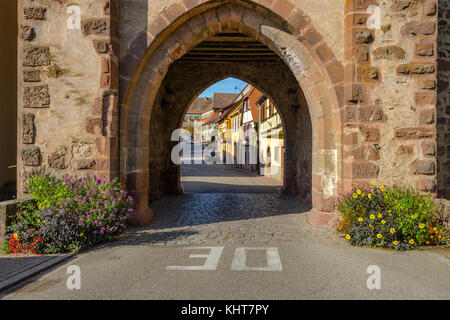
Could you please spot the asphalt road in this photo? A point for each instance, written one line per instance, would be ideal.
(225, 178)
(241, 246)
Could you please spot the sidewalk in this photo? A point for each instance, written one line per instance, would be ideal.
(16, 268)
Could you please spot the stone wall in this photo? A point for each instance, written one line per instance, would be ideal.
(8, 102)
(391, 115)
(443, 102)
(67, 79)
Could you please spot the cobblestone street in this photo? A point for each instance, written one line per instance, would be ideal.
(225, 214)
(211, 218)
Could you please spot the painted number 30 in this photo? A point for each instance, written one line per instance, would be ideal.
(74, 19)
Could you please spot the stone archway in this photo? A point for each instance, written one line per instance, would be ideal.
(184, 82)
(317, 73)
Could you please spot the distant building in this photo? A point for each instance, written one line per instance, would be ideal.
(222, 100)
(250, 129)
(209, 119)
(209, 127)
(198, 110)
(271, 139)
(205, 112)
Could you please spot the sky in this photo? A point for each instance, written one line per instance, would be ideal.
(225, 86)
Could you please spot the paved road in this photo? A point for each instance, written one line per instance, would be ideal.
(284, 258)
(225, 178)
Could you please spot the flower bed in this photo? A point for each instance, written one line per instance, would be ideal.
(68, 214)
(396, 218)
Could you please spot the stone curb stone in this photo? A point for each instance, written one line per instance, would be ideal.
(26, 274)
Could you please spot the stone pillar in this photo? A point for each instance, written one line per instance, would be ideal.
(362, 117)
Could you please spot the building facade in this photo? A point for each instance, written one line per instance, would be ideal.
(271, 139)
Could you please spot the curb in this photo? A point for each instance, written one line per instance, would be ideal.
(8, 283)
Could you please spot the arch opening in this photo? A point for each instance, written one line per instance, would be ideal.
(225, 135)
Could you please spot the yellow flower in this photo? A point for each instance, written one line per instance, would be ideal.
(382, 188)
(81, 234)
(363, 195)
(392, 230)
(371, 226)
(434, 229)
(370, 196)
(413, 217)
(347, 237)
(379, 236)
(411, 241)
(383, 221)
(38, 220)
(379, 215)
(358, 191)
(421, 225)
(395, 242)
(355, 195)
(373, 183)
(355, 184)
(372, 216)
(16, 236)
(360, 219)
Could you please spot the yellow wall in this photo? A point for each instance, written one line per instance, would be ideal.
(8, 90)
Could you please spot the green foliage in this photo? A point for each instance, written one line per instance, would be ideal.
(396, 217)
(87, 211)
(47, 190)
(4, 247)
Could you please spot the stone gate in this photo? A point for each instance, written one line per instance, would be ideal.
(361, 86)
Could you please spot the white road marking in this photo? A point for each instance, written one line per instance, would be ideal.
(240, 260)
(212, 259)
